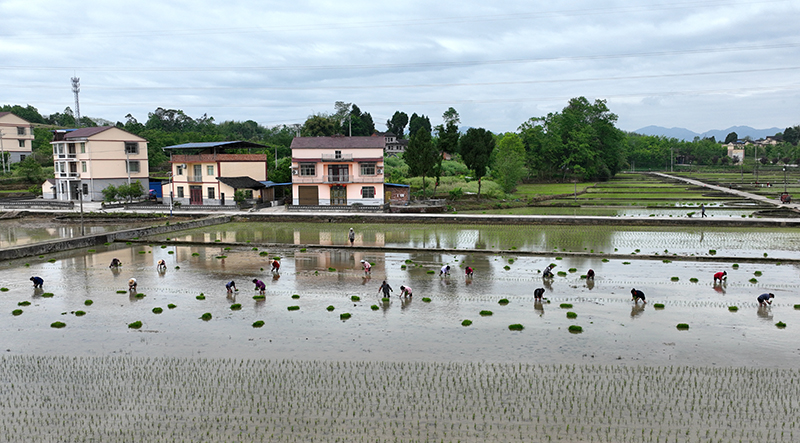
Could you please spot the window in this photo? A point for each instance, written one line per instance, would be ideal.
(178, 170)
(133, 166)
(338, 155)
(22, 143)
(85, 189)
(368, 192)
(22, 157)
(368, 168)
(83, 166)
(180, 191)
(210, 171)
(20, 130)
(211, 191)
(308, 169)
(131, 147)
(248, 194)
(83, 148)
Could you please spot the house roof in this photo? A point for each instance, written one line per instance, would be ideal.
(206, 145)
(338, 142)
(271, 184)
(87, 132)
(241, 182)
(4, 113)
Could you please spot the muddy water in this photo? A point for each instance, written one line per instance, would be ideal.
(738, 242)
(616, 331)
(31, 230)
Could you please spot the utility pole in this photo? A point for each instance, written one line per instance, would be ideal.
(2, 152)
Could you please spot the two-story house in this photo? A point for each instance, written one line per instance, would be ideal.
(210, 173)
(16, 137)
(87, 160)
(337, 170)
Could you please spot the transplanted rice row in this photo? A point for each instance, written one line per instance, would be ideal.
(110, 398)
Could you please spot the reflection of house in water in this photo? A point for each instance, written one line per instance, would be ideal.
(339, 259)
(338, 237)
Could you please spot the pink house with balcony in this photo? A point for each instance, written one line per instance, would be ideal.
(16, 137)
(337, 171)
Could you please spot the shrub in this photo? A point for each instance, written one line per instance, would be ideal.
(515, 327)
(135, 325)
(571, 314)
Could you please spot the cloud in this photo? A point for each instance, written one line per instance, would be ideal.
(700, 65)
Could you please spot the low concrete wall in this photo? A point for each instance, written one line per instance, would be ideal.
(52, 246)
(497, 219)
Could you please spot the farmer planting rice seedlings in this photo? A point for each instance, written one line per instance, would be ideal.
(335, 380)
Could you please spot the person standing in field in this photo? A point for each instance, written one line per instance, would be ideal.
(352, 236)
(720, 276)
(702, 210)
(385, 288)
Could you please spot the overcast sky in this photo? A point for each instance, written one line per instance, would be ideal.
(696, 64)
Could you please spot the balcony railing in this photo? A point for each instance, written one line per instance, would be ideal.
(194, 178)
(337, 179)
(69, 155)
(67, 174)
(337, 158)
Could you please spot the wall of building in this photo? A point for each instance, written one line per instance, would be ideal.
(11, 138)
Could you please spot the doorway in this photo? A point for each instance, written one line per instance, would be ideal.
(338, 195)
(195, 195)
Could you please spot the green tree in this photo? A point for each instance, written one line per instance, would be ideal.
(319, 125)
(508, 166)
(417, 122)
(792, 134)
(110, 194)
(421, 155)
(283, 173)
(397, 124)
(447, 132)
(30, 170)
(731, 137)
(28, 113)
(476, 148)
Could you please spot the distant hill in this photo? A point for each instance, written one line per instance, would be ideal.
(718, 134)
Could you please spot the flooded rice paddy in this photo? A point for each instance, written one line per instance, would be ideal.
(682, 240)
(19, 232)
(403, 369)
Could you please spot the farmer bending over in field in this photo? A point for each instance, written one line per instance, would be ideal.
(37, 282)
(276, 266)
(132, 284)
(548, 271)
(115, 263)
(590, 274)
(405, 291)
(538, 293)
(764, 299)
(366, 267)
(637, 294)
(720, 276)
(162, 265)
(469, 272)
(231, 286)
(260, 286)
(444, 271)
